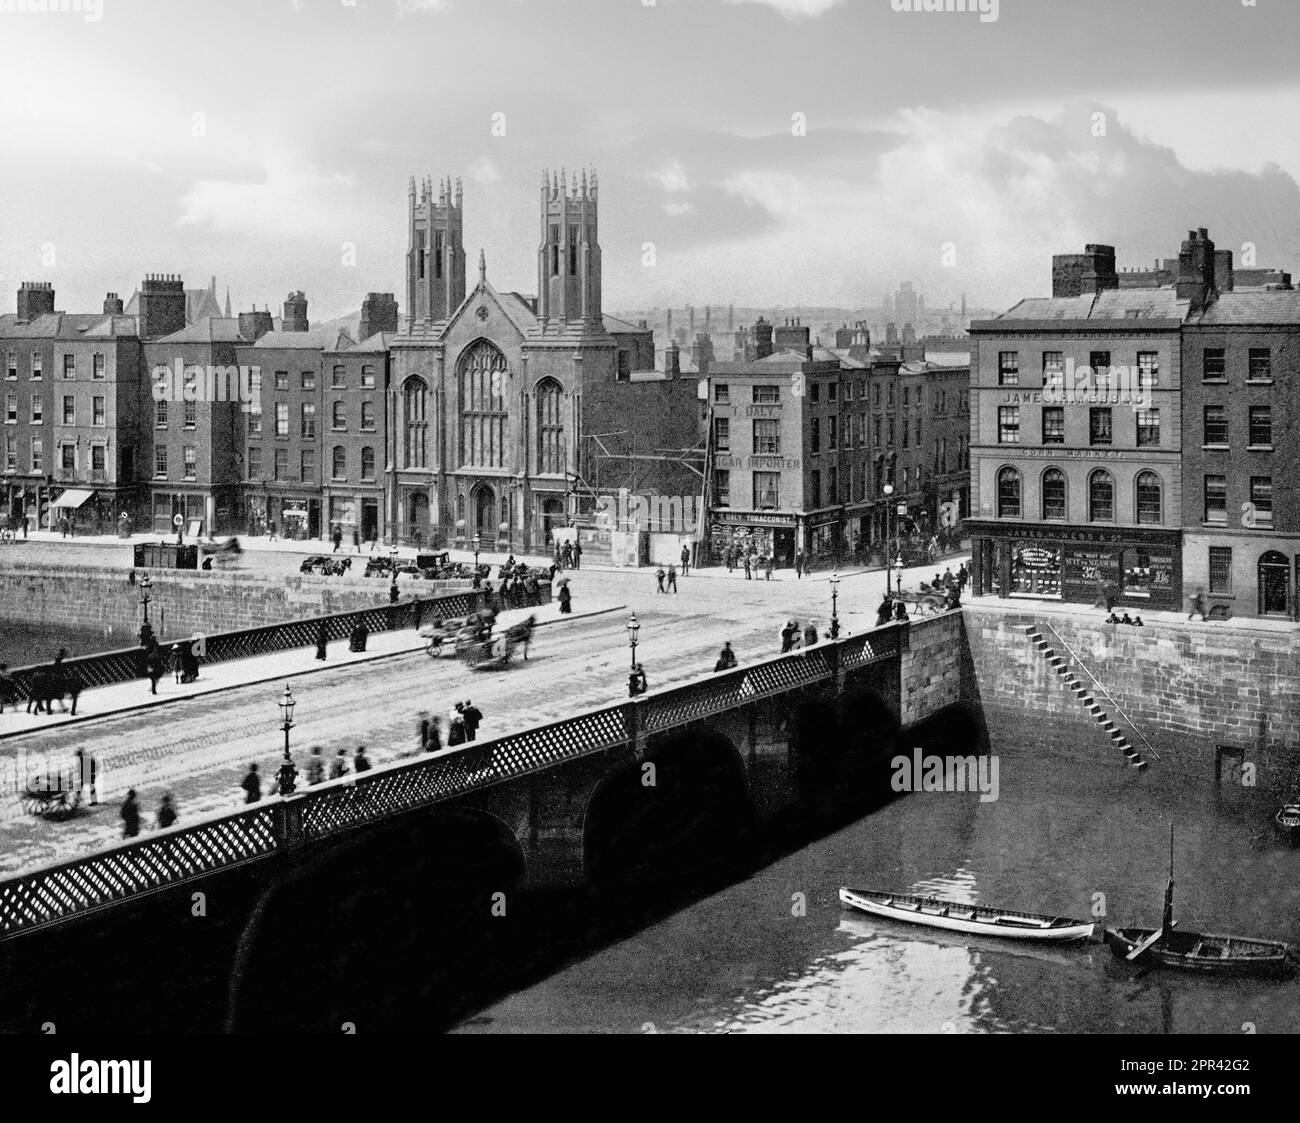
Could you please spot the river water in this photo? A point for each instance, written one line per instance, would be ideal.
(1067, 836)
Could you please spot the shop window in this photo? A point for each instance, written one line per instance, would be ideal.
(1135, 570)
(1101, 497)
(1008, 494)
(1035, 571)
(1220, 565)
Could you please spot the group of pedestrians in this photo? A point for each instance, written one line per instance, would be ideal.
(568, 555)
(1135, 620)
(666, 582)
(948, 579)
(793, 636)
(166, 816)
(463, 721)
(750, 560)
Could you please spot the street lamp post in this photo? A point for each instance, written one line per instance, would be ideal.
(288, 773)
(889, 491)
(145, 585)
(835, 597)
(633, 627)
(392, 569)
(478, 545)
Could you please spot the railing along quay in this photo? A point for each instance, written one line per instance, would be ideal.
(132, 869)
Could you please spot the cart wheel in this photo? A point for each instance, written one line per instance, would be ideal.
(7, 535)
(32, 804)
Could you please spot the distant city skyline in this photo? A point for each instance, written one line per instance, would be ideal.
(275, 154)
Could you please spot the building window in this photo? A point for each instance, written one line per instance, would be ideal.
(309, 380)
(11, 366)
(69, 410)
(769, 395)
(550, 426)
(483, 374)
(159, 414)
(814, 392)
(1008, 425)
(1054, 499)
(862, 431)
(339, 469)
(1099, 362)
(367, 377)
(832, 487)
(280, 465)
(1148, 369)
(1099, 426)
(97, 366)
(1261, 426)
(339, 378)
(875, 395)
(721, 393)
(38, 410)
(1214, 365)
(1008, 370)
(11, 454)
(160, 461)
(1008, 494)
(1054, 369)
(307, 429)
(1215, 426)
(282, 380)
(1216, 500)
(1261, 499)
(767, 436)
(875, 432)
(1149, 499)
(891, 432)
(38, 366)
(907, 429)
(831, 388)
(907, 392)
(815, 488)
(38, 455)
(68, 458)
(848, 391)
(1053, 425)
(69, 366)
(413, 400)
(190, 461)
(815, 435)
(97, 416)
(339, 416)
(367, 417)
(833, 433)
(722, 487)
(367, 463)
(767, 490)
(1261, 364)
(1220, 569)
(307, 464)
(254, 462)
(722, 434)
(191, 415)
(1148, 428)
(281, 419)
(1101, 497)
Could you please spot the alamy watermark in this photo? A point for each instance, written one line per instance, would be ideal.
(92, 11)
(928, 773)
(988, 9)
(181, 383)
(658, 514)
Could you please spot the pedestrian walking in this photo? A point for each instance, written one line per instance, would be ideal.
(672, 577)
(252, 784)
(456, 726)
(787, 637)
(87, 774)
(8, 688)
(153, 664)
(422, 730)
(885, 613)
(1198, 605)
(433, 741)
(338, 538)
(566, 598)
(726, 658)
(316, 766)
(659, 579)
(130, 815)
(322, 638)
(900, 612)
(731, 559)
(361, 762)
(166, 813)
(356, 540)
(339, 765)
(767, 567)
(271, 528)
(686, 561)
(809, 634)
(749, 569)
(948, 578)
(567, 554)
(577, 555)
(798, 564)
(473, 719)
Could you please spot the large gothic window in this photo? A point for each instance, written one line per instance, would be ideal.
(483, 376)
(414, 400)
(550, 426)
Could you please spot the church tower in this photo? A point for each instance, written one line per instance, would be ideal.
(435, 261)
(568, 262)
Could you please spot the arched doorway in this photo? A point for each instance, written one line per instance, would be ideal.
(485, 513)
(417, 516)
(1274, 583)
(552, 516)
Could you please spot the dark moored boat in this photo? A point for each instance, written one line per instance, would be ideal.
(1287, 820)
(1198, 951)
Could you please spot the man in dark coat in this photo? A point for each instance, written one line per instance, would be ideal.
(316, 766)
(798, 564)
(473, 719)
(787, 637)
(809, 634)
(672, 577)
(153, 665)
(360, 761)
(566, 598)
(322, 638)
(686, 561)
(130, 815)
(885, 613)
(252, 785)
(166, 812)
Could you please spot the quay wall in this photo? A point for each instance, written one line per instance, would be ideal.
(1187, 687)
(185, 601)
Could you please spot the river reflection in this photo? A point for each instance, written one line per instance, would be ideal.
(776, 953)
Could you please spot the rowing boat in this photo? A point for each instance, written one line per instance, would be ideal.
(1198, 951)
(934, 912)
(1287, 821)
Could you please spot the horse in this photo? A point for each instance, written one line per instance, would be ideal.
(50, 684)
(522, 633)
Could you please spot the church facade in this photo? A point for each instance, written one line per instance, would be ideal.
(486, 392)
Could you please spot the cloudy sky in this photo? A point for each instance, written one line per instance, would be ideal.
(256, 139)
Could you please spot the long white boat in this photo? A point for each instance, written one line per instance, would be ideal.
(981, 920)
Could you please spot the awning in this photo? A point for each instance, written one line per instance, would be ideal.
(72, 497)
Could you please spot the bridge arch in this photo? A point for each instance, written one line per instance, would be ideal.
(652, 820)
(839, 749)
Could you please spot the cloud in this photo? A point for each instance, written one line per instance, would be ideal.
(483, 170)
(796, 9)
(672, 177)
(418, 7)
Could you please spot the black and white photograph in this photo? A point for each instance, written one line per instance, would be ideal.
(638, 517)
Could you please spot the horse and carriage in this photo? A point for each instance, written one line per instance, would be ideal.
(927, 600)
(472, 639)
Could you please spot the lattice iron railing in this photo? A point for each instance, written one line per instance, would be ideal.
(132, 869)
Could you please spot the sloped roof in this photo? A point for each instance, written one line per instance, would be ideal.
(52, 325)
(313, 339)
(1256, 306)
(210, 329)
(1113, 304)
(112, 326)
(615, 326)
(376, 344)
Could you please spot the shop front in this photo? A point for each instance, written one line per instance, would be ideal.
(1128, 567)
(1082, 565)
(824, 537)
(758, 532)
(191, 506)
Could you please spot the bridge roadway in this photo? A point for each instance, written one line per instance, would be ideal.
(199, 749)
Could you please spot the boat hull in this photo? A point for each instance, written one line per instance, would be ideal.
(1204, 952)
(1288, 825)
(953, 916)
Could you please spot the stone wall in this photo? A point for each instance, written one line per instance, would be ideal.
(932, 667)
(186, 601)
(1186, 687)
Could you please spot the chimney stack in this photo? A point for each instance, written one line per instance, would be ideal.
(295, 313)
(35, 298)
(762, 339)
(1195, 282)
(378, 314)
(112, 304)
(162, 305)
(1080, 274)
(253, 325)
(672, 360)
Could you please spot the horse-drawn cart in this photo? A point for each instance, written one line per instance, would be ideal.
(927, 599)
(53, 798)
